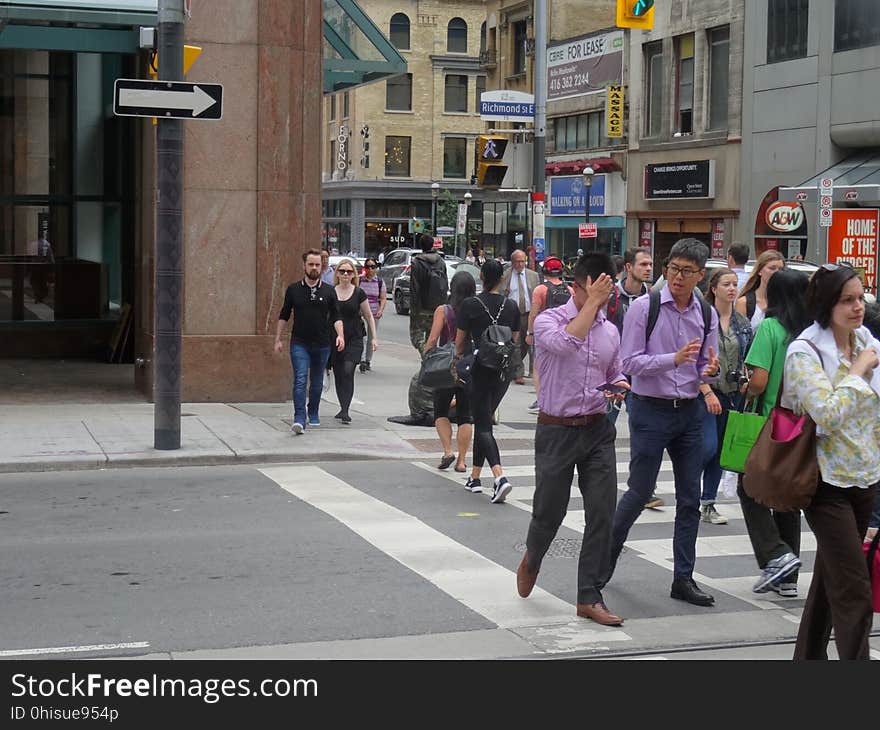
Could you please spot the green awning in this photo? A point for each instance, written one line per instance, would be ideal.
(356, 52)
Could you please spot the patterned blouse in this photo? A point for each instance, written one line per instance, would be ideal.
(847, 413)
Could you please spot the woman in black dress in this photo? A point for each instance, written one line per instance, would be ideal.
(487, 387)
(354, 310)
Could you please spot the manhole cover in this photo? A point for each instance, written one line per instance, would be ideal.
(561, 547)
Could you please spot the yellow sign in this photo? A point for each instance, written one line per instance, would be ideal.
(614, 112)
(190, 54)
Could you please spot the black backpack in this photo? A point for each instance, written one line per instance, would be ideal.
(434, 288)
(496, 349)
(557, 294)
(654, 312)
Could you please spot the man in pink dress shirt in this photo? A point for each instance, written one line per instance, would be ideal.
(577, 352)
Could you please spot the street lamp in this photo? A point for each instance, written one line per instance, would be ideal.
(588, 182)
(435, 191)
(467, 201)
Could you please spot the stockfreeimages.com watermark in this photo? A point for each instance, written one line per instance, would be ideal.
(208, 690)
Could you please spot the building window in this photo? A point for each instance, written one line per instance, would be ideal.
(455, 157)
(684, 118)
(481, 88)
(483, 37)
(345, 105)
(332, 107)
(787, 29)
(456, 93)
(399, 31)
(856, 24)
(332, 165)
(581, 131)
(397, 156)
(398, 93)
(456, 36)
(653, 89)
(719, 71)
(519, 47)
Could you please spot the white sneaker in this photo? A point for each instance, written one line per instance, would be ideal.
(709, 514)
(786, 590)
(502, 489)
(297, 428)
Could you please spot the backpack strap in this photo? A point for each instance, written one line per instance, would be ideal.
(450, 322)
(494, 319)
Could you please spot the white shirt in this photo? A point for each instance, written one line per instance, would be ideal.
(517, 280)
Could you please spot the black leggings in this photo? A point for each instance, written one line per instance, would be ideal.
(487, 390)
(344, 365)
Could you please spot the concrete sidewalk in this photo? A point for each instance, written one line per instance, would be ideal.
(120, 434)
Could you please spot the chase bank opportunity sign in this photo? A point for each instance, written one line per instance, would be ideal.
(680, 180)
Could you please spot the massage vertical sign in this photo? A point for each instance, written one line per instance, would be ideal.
(614, 112)
(853, 238)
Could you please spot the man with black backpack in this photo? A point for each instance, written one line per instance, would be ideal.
(428, 289)
(668, 349)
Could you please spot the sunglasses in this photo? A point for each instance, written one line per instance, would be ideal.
(372, 266)
(344, 271)
(835, 267)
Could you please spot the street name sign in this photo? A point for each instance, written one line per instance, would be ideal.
(167, 99)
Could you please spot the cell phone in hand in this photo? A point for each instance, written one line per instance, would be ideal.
(611, 388)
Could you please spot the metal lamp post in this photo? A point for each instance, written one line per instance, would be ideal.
(588, 182)
(467, 201)
(435, 192)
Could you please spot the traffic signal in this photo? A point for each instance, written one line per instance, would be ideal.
(490, 165)
(635, 14)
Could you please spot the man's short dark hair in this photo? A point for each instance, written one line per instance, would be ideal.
(592, 265)
(618, 263)
(311, 252)
(629, 256)
(691, 250)
(739, 252)
(426, 242)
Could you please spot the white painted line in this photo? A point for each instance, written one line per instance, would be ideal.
(74, 649)
(470, 578)
(713, 547)
(875, 654)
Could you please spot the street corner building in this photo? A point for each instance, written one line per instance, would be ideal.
(78, 184)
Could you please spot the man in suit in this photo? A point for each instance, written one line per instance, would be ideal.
(517, 284)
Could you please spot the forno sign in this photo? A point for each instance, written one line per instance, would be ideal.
(785, 217)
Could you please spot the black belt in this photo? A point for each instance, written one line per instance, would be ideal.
(545, 419)
(675, 403)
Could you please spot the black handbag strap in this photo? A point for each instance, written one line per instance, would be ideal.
(782, 379)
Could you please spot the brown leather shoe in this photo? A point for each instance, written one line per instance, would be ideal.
(599, 613)
(520, 381)
(525, 579)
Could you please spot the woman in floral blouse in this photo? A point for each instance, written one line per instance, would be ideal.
(841, 393)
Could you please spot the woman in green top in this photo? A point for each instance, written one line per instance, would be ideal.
(775, 536)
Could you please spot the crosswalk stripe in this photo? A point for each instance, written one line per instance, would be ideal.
(470, 578)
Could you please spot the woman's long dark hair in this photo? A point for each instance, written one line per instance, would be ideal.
(461, 287)
(786, 301)
(492, 272)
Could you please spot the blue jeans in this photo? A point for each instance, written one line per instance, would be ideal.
(654, 428)
(713, 439)
(308, 366)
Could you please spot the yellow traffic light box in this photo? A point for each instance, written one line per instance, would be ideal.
(637, 14)
(490, 165)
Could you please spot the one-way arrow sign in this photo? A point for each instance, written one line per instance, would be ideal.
(170, 99)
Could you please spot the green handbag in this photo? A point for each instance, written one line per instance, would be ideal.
(740, 435)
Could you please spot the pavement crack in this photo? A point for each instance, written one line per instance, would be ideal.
(218, 437)
(97, 443)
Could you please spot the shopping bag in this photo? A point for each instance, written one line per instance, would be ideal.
(740, 435)
(727, 489)
(872, 555)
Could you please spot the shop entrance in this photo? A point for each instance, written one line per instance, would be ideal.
(67, 223)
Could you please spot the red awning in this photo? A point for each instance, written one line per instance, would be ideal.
(576, 167)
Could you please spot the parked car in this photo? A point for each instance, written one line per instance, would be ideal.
(400, 288)
(397, 261)
(711, 264)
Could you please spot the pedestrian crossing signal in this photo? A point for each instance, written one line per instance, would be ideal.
(637, 14)
(491, 168)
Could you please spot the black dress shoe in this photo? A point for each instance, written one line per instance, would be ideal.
(411, 420)
(684, 589)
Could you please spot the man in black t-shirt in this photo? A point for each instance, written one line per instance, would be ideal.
(315, 313)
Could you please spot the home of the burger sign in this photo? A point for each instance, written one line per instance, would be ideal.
(677, 180)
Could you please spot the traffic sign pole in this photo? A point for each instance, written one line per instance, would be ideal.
(169, 240)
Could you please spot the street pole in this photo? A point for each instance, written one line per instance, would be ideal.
(539, 144)
(169, 240)
(467, 216)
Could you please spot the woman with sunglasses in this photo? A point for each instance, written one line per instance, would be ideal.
(354, 310)
(752, 300)
(839, 388)
(376, 293)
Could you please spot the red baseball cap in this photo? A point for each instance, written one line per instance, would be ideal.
(552, 265)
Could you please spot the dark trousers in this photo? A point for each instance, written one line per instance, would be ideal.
(486, 392)
(344, 365)
(840, 594)
(524, 348)
(654, 428)
(558, 450)
(713, 439)
(772, 533)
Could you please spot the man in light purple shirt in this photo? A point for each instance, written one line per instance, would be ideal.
(667, 356)
(577, 355)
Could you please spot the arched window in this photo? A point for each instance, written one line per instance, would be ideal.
(399, 31)
(483, 37)
(456, 36)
